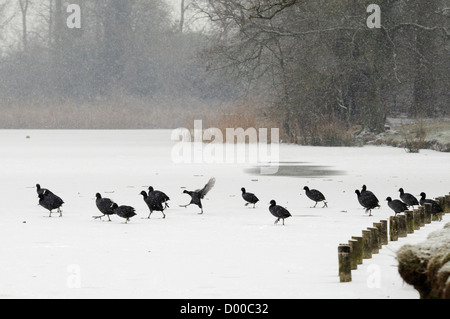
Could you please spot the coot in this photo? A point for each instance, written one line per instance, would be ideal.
(397, 205)
(250, 198)
(124, 211)
(278, 211)
(199, 194)
(51, 201)
(315, 195)
(104, 206)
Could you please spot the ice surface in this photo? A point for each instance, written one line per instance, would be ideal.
(231, 251)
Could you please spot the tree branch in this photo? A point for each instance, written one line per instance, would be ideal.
(420, 27)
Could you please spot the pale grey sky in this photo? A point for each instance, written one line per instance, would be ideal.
(176, 7)
(11, 34)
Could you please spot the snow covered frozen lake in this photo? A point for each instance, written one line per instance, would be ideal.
(231, 251)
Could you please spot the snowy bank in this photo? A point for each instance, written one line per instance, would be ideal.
(426, 266)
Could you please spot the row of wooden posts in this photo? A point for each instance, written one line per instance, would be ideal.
(373, 238)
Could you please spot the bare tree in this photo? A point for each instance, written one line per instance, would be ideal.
(182, 14)
(24, 5)
(321, 58)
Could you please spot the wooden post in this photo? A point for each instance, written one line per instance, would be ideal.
(384, 232)
(434, 217)
(441, 201)
(353, 243)
(438, 216)
(409, 221)
(402, 226)
(345, 271)
(416, 216)
(427, 213)
(393, 228)
(421, 217)
(447, 204)
(358, 249)
(379, 226)
(367, 244)
(375, 240)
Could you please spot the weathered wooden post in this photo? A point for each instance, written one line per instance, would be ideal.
(416, 216)
(358, 249)
(402, 232)
(434, 217)
(379, 226)
(345, 269)
(421, 217)
(367, 244)
(393, 228)
(427, 213)
(353, 243)
(384, 232)
(409, 221)
(441, 202)
(375, 240)
(447, 204)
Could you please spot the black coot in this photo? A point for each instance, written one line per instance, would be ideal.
(124, 211)
(367, 200)
(51, 201)
(153, 204)
(397, 205)
(365, 192)
(278, 211)
(199, 194)
(158, 196)
(435, 207)
(250, 198)
(315, 195)
(104, 206)
(407, 198)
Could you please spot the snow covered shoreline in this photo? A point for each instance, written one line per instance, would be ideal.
(230, 251)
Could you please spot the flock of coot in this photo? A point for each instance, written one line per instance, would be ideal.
(157, 201)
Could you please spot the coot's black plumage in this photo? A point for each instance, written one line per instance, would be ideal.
(367, 200)
(435, 207)
(124, 211)
(153, 203)
(40, 190)
(407, 198)
(159, 196)
(278, 211)
(250, 198)
(397, 205)
(315, 195)
(367, 193)
(199, 194)
(51, 201)
(104, 206)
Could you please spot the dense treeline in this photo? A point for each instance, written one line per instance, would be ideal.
(313, 65)
(320, 63)
(122, 47)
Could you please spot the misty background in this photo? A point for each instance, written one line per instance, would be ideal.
(311, 68)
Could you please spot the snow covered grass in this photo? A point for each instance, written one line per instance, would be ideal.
(414, 135)
(231, 251)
